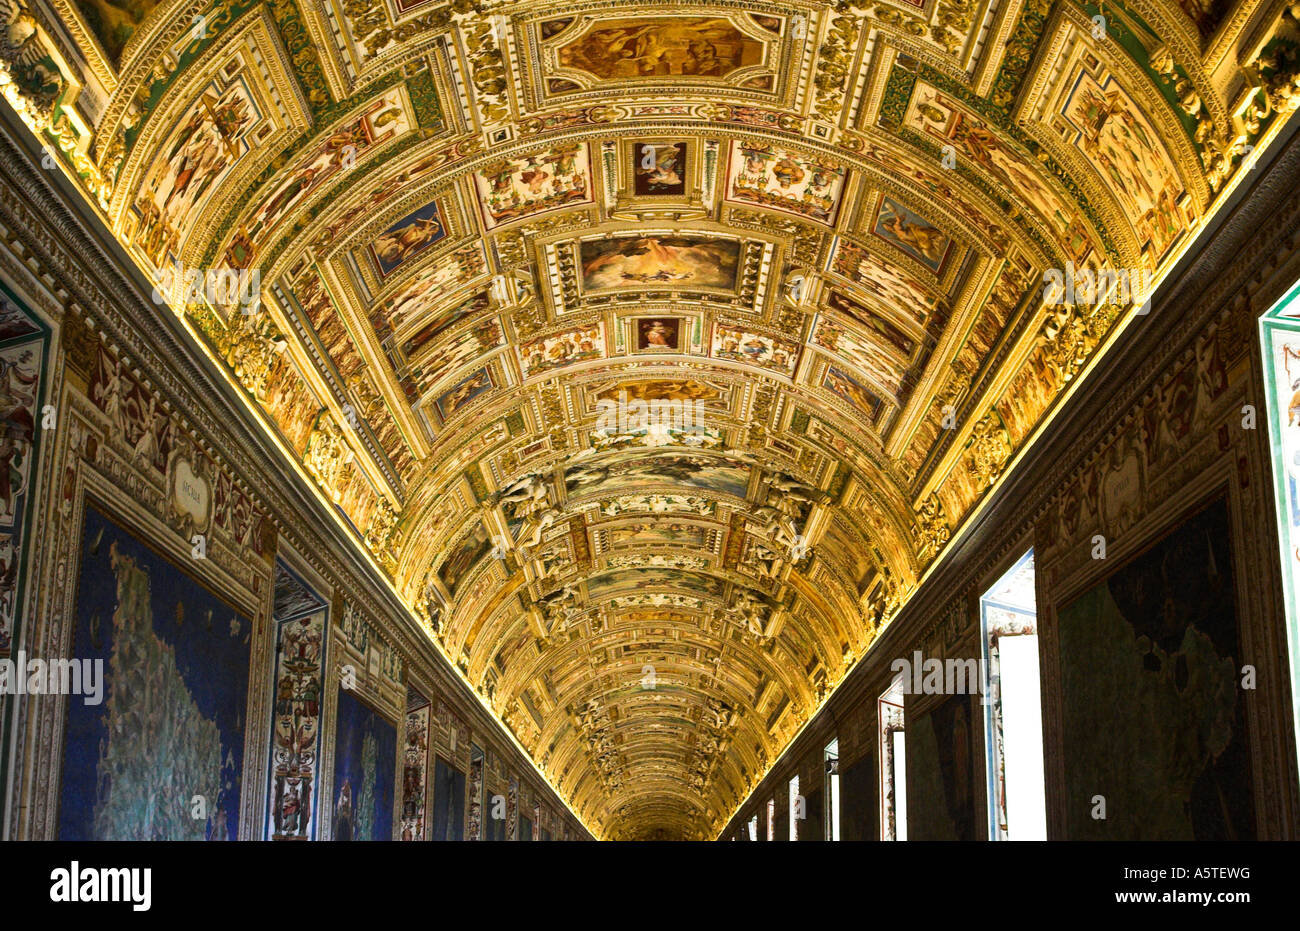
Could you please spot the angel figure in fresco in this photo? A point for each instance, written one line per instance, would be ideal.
(302, 644)
(461, 395)
(1129, 125)
(658, 258)
(1096, 108)
(564, 161)
(309, 696)
(396, 246)
(1128, 180)
(284, 690)
(666, 172)
(925, 239)
(205, 146)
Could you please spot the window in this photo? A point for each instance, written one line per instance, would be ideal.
(832, 757)
(753, 828)
(1013, 707)
(893, 764)
(771, 819)
(796, 805)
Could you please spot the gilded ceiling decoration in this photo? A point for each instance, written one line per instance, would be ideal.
(652, 351)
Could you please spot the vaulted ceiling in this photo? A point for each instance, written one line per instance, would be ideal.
(812, 236)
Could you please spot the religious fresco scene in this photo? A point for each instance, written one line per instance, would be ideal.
(494, 420)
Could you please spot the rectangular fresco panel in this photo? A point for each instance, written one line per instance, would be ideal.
(172, 718)
(434, 327)
(456, 352)
(425, 291)
(464, 557)
(687, 389)
(1115, 135)
(561, 349)
(720, 474)
(850, 389)
(408, 237)
(769, 352)
(208, 142)
(365, 766)
(861, 352)
(911, 232)
(657, 534)
(883, 280)
(659, 261)
(891, 337)
(462, 394)
(737, 345)
(940, 117)
(651, 47)
(511, 189)
(658, 334)
(769, 176)
(1159, 639)
(659, 169)
(695, 583)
